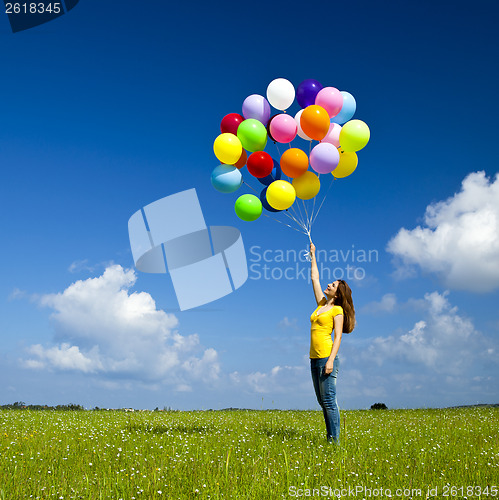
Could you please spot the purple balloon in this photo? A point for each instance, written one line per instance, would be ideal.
(324, 158)
(257, 107)
(306, 92)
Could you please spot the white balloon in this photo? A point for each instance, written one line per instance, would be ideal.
(300, 131)
(281, 93)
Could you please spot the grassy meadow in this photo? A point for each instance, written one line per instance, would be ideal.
(248, 454)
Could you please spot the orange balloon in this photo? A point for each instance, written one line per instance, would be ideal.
(315, 122)
(294, 162)
(242, 160)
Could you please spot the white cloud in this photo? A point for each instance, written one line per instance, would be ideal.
(279, 379)
(356, 382)
(385, 305)
(17, 294)
(101, 327)
(459, 240)
(287, 323)
(83, 265)
(65, 357)
(80, 265)
(207, 367)
(444, 341)
(441, 359)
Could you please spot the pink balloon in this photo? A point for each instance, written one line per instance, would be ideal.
(330, 99)
(333, 135)
(324, 158)
(283, 128)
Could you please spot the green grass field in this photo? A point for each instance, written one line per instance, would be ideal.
(248, 454)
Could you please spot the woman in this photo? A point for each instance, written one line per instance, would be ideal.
(335, 312)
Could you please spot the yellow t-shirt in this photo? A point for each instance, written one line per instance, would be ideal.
(321, 342)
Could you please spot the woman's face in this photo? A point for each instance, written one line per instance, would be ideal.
(331, 289)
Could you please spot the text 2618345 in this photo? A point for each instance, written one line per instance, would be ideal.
(33, 8)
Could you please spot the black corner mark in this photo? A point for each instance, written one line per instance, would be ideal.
(26, 14)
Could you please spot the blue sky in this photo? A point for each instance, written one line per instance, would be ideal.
(107, 109)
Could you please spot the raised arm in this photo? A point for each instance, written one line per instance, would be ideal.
(314, 275)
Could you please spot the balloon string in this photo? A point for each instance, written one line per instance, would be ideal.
(320, 206)
(298, 222)
(295, 218)
(301, 217)
(306, 212)
(301, 224)
(315, 197)
(251, 187)
(307, 216)
(280, 222)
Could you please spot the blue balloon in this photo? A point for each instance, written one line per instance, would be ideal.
(347, 111)
(265, 203)
(275, 175)
(226, 178)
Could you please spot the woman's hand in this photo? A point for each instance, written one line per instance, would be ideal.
(328, 368)
(312, 249)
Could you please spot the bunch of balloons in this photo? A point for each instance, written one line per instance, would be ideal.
(325, 116)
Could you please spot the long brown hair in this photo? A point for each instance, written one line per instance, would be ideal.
(343, 298)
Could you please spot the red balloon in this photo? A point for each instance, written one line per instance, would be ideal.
(260, 164)
(230, 123)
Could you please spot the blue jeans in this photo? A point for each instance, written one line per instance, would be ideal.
(325, 390)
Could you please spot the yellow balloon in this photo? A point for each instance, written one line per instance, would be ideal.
(348, 163)
(307, 185)
(281, 195)
(227, 148)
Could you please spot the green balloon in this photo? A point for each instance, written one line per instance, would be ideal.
(354, 135)
(248, 207)
(252, 134)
